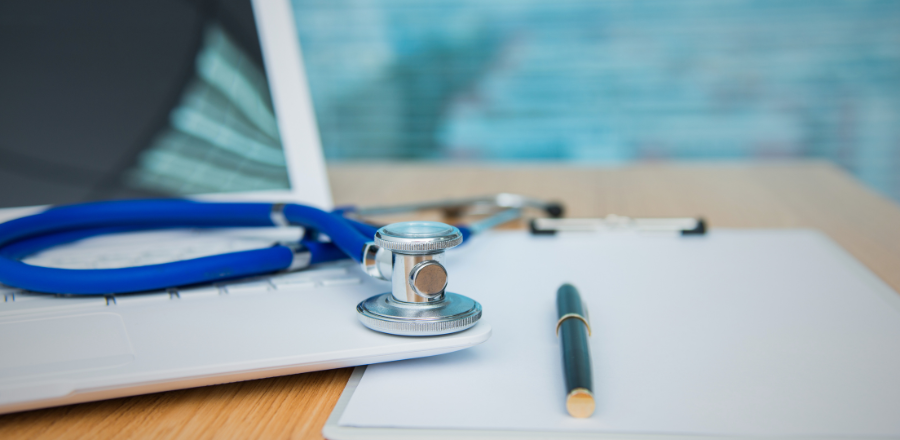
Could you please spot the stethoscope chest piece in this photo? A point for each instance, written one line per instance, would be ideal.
(450, 314)
(418, 304)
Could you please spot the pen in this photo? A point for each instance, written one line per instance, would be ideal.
(573, 329)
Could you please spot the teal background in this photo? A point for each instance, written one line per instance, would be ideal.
(608, 82)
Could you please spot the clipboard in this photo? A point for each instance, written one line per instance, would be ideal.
(333, 429)
(817, 349)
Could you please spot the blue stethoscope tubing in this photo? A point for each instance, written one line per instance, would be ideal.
(27, 235)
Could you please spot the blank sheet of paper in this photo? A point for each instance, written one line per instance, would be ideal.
(740, 332)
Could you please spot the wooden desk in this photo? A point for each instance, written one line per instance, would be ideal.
(796, 194)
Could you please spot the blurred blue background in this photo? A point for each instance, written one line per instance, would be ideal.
(609, 81)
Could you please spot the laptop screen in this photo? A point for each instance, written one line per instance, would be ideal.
(111, 99)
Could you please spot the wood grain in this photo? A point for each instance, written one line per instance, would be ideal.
(290, 407)
(793, 194)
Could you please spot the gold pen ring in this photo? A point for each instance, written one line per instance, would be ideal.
(573, 316)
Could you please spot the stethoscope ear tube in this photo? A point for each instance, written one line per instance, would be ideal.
(59, 225)
(136, 279)
(341, 232)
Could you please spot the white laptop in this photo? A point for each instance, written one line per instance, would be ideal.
(222, 141)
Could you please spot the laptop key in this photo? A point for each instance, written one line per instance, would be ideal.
(340, 281)
(248, 288)
(199, 293)
(25, 296)
(31, 303)
(282, 284)
(142, 298)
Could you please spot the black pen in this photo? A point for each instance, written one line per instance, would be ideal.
(573, 329)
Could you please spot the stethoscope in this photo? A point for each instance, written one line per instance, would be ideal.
(408, 254)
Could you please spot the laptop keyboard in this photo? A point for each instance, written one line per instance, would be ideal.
(155, 247)
(145, 248)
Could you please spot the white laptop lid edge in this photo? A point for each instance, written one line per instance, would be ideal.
(293, 104)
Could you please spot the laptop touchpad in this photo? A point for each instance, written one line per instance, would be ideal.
(62, 345)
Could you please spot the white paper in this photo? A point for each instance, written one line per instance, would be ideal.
(740, 332)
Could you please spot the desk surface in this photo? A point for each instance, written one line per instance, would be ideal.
(795, 194)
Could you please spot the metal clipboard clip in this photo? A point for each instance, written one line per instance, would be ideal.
(610, 223)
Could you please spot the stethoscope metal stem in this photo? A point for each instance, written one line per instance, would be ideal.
(418, 304)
